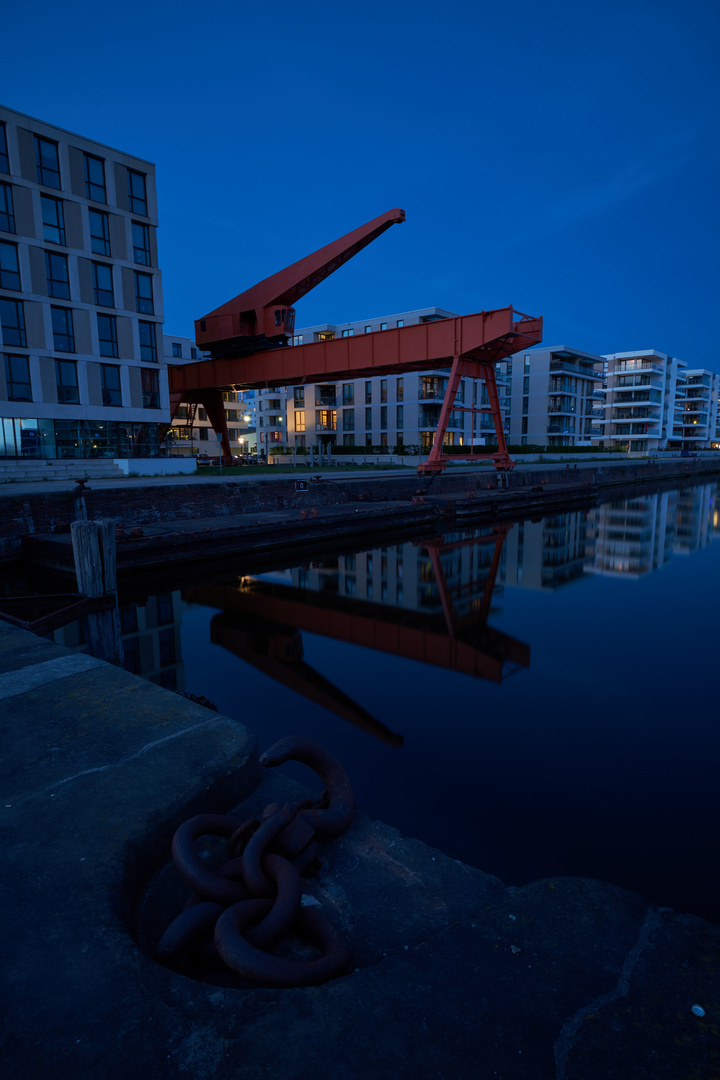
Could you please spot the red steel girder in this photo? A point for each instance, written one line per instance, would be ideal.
(488, 336)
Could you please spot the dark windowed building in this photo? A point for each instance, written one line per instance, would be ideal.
(77, 222)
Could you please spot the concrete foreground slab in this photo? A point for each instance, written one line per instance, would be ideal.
(453, 974)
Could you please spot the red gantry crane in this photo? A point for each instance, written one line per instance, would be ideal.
(247, 339)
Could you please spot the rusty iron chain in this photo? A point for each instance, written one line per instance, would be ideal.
(236, 913)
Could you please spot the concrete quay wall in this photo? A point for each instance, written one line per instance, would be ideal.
(26, 514)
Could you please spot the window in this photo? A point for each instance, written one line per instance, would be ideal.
(383, 389)
(63, 334)
(525, 402)
(144, 294)
(348, 419)
(348, 394)
(348, 440)
(347, 333)
(9, 269)
(53, 220)
(399, 392)
(383, 417)
(524, 425)
(526, 384)
(203, 434)
(12, 321)
(7, 215)
(150, 389)
(176, 349)
(202, 415)
(383, 326)
(103, 285)
(141, 243)
(58, 281)
(4, 160)
(46, 159)
(232, 434)
(399, 416)
(137, 192)
(110, 379)
(95, 178)
(368, 329)
(299, 397)
(107, 335)
(193, 356)
(231, 414)
(368, 419)
(66, 379)
(401, 322)
(298, 339)
(300, 421)
(148, 343)
(17, 378)
(99, 232)
(368, 393)
(527, 364)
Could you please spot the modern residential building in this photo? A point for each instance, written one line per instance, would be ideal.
(81, 305)
(644, 400)
(556, 396)
(696, 411)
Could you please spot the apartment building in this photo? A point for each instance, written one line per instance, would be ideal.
(191, 433)
(644, 397)
(695, 420)
(81, 304)
(556, 396)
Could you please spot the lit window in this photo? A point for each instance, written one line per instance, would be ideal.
(66, 379)
(144, 294)
(17, 378)
(107, 335)
(53, 220)
(383, 389)
(300, 420)
(7, 216)
(9, 268)
(99, 232)
(46, 160)
(12, 322)
(148, 342)
(103, 285)
(137, 192)
(95, 178)
(63, 334)
(141, 243)
(150, 388)
(110, 379)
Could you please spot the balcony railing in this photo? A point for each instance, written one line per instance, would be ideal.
(325, 427)
(326, 401)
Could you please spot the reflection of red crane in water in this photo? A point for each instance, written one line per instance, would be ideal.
(261, 623)
(247, 338)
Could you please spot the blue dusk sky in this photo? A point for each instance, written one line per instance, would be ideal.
(559, 156)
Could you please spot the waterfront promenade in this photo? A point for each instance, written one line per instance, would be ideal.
(453, 973)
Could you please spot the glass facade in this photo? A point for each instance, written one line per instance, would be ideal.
(31, 438)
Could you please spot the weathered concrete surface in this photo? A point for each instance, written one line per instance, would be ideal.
(457, 975)
(141, 502)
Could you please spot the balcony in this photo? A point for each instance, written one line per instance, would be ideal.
(325, 427)
(587, 372)
(325, 401)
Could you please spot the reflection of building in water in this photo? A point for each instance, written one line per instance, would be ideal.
(695, 518)
(636, 536)
(549, 553)
(150, 636)
(402, 575)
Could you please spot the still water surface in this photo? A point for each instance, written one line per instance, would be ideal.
(563, 719)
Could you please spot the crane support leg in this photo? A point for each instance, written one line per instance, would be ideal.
(215, 409)
(476, 369)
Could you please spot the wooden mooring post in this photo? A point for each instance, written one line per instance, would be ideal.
(94, 552)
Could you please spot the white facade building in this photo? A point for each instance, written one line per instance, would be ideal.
(81, 308)
(556, 396)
